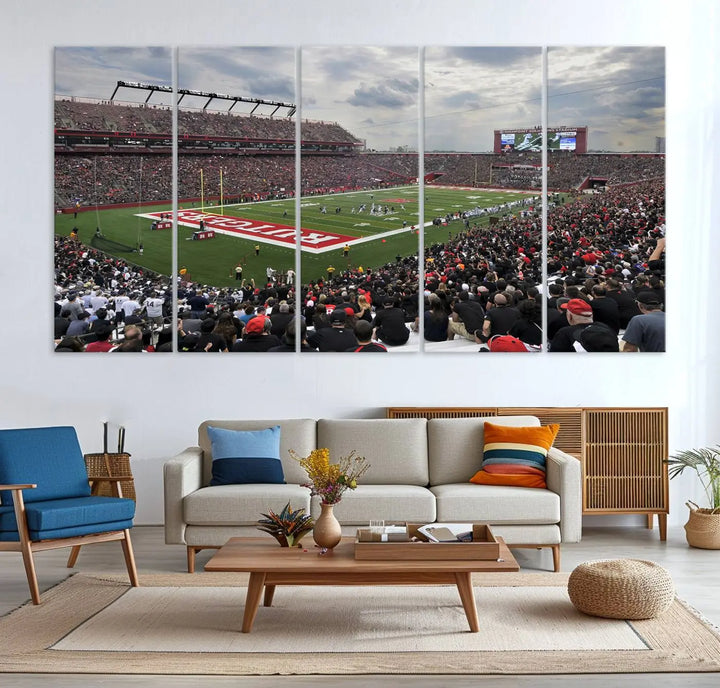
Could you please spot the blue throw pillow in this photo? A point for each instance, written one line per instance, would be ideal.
(245, 456)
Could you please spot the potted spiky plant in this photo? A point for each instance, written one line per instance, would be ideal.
(703, 528)
(288, 527)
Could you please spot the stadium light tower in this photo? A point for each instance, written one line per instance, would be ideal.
(288, 109)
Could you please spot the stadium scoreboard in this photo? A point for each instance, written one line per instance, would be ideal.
(530, 140)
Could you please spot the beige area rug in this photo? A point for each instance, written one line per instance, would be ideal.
(189, 624)
(334, 619)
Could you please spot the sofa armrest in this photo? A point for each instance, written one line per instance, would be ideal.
(182, 475)
(564, 477)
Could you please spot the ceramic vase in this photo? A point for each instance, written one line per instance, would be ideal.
(327, 532)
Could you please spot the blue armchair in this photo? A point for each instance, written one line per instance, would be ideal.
(46, 501)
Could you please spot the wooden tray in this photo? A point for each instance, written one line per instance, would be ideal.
(483, 547)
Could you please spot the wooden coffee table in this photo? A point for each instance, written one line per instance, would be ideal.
(270, 565)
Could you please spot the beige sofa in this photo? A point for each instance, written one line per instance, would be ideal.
(419, 472)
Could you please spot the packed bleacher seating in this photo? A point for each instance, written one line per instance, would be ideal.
(105, 178)
(593, 239)
(523, 170)
(103, 174)
(99, 117)
(102, 298)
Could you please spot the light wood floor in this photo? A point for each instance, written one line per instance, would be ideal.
(694, 571)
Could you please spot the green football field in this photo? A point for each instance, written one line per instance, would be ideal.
(213, 261)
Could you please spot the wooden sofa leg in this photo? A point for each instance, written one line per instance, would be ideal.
(191, 551)
(72, 559)
(556, 558)
(129, 559)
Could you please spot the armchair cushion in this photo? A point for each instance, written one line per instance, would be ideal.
(48, 457)
(69, 517)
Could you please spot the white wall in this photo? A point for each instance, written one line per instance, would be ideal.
(161, 399)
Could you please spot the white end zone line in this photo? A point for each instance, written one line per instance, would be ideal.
(260, 239)
(282, 244)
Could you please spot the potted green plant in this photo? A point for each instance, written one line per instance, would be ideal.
(288, 527)
(703, 527)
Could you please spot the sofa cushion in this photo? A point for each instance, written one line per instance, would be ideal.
(515, 456)
(395, 449)
(383, 502)
(245, 456)
(298, 434)
(455, 445)
(495, 504)
(228, 505)
(530, 534)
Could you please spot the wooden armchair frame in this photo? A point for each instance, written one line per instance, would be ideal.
(27, 546)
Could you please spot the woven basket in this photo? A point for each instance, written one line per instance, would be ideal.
(108, 466)
(703, 527)
(621, 589)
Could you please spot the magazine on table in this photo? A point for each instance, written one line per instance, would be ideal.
(447, 532)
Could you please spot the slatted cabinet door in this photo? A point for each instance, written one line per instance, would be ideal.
(624, 469)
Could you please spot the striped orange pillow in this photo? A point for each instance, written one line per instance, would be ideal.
(515, 456)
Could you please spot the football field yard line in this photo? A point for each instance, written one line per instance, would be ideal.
(352, 241)
(379, 241)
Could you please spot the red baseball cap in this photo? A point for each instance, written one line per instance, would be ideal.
(505, 342)
(255, 325)
(577, 307)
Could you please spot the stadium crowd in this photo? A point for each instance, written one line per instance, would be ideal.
(480, 283)
(99, 175)
(128, 178)
(99, 298)
(109, 117)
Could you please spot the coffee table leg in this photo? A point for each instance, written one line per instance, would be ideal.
(252, 600)
(467, 597)
(269, 592)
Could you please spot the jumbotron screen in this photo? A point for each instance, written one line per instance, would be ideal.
(532, 141)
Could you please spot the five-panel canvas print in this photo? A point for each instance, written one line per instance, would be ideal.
(435, 199)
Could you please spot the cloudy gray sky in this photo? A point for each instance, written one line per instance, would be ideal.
(93, 72)
(471, 91)
(618, 92)
(267, 73)
(370, 90)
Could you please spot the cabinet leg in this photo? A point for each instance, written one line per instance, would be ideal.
(650, 521)
(662, 524)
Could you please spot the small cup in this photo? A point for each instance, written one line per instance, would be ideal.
(377, 527)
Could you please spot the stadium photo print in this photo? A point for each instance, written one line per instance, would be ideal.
(417, 200)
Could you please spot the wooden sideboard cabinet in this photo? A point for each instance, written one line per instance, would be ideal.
(622, 451)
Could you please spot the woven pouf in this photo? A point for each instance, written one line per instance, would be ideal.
(621, 589)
